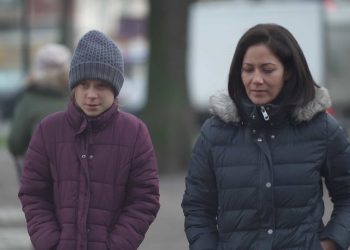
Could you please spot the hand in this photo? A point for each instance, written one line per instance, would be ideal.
(328, 245)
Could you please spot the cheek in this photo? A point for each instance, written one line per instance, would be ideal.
(278, 88)
(245, 80)
(281, 83)
(78, 95)
(109, 100)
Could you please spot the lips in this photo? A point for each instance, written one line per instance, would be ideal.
(258, 91)
(92, 106)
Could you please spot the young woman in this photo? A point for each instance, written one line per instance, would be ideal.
(90, 177)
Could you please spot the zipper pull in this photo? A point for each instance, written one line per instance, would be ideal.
(264, 113)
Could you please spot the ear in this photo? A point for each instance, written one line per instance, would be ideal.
(286, 76)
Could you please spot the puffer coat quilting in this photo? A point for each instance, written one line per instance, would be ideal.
(105, 191)
(257, 185)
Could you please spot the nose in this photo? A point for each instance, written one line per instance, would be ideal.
(91, 93)
(257, 78)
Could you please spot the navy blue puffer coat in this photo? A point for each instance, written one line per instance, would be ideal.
(256, 183)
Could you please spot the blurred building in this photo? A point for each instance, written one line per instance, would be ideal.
(27, 24)
(335, 23)
(338, 58)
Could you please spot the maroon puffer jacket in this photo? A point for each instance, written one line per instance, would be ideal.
(89, 184)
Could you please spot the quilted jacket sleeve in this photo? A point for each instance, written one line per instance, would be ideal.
(142, 198)
(36, 195)
(337, 177)
(200, 199)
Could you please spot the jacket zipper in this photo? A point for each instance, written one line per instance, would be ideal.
(264, 113)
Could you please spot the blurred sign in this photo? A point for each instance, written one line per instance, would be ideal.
(215, 28)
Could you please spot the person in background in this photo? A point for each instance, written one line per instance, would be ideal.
(90, 178)
(255, 178)
(46, 91)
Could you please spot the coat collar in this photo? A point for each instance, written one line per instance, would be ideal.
(222, 105)
(80, 122)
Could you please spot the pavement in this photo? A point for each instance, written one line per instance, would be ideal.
(166, 233)
(13, 233)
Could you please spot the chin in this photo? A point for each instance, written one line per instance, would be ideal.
(91, 114)
(259, 102)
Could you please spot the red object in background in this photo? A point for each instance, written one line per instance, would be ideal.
(329, 5)
(331, 111)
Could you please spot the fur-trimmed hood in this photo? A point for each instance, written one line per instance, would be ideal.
(222, 105)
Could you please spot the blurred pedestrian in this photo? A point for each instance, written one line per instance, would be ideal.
(90, 178)
(255, 178)
(46, 91)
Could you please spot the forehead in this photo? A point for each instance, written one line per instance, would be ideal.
(259, 53)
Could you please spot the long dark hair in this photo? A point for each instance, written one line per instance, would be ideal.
(299, 83)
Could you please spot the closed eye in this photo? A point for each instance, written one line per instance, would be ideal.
(268, 70)
(247, 70)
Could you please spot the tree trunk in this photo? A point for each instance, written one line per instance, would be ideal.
(168, 113)
(66, 27)
(26, 30)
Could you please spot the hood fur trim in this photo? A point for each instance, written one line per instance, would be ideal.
(221, 105)
(321, 102)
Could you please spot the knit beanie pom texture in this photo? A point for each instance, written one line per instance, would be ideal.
(97, 57)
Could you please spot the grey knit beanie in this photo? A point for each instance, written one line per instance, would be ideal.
(97, 57)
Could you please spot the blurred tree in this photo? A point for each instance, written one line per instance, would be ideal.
(25, 31)
(168, 114)
(66, 27)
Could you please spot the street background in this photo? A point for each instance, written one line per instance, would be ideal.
(168, 46)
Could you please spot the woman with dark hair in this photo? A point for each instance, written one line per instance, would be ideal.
(255, 178)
